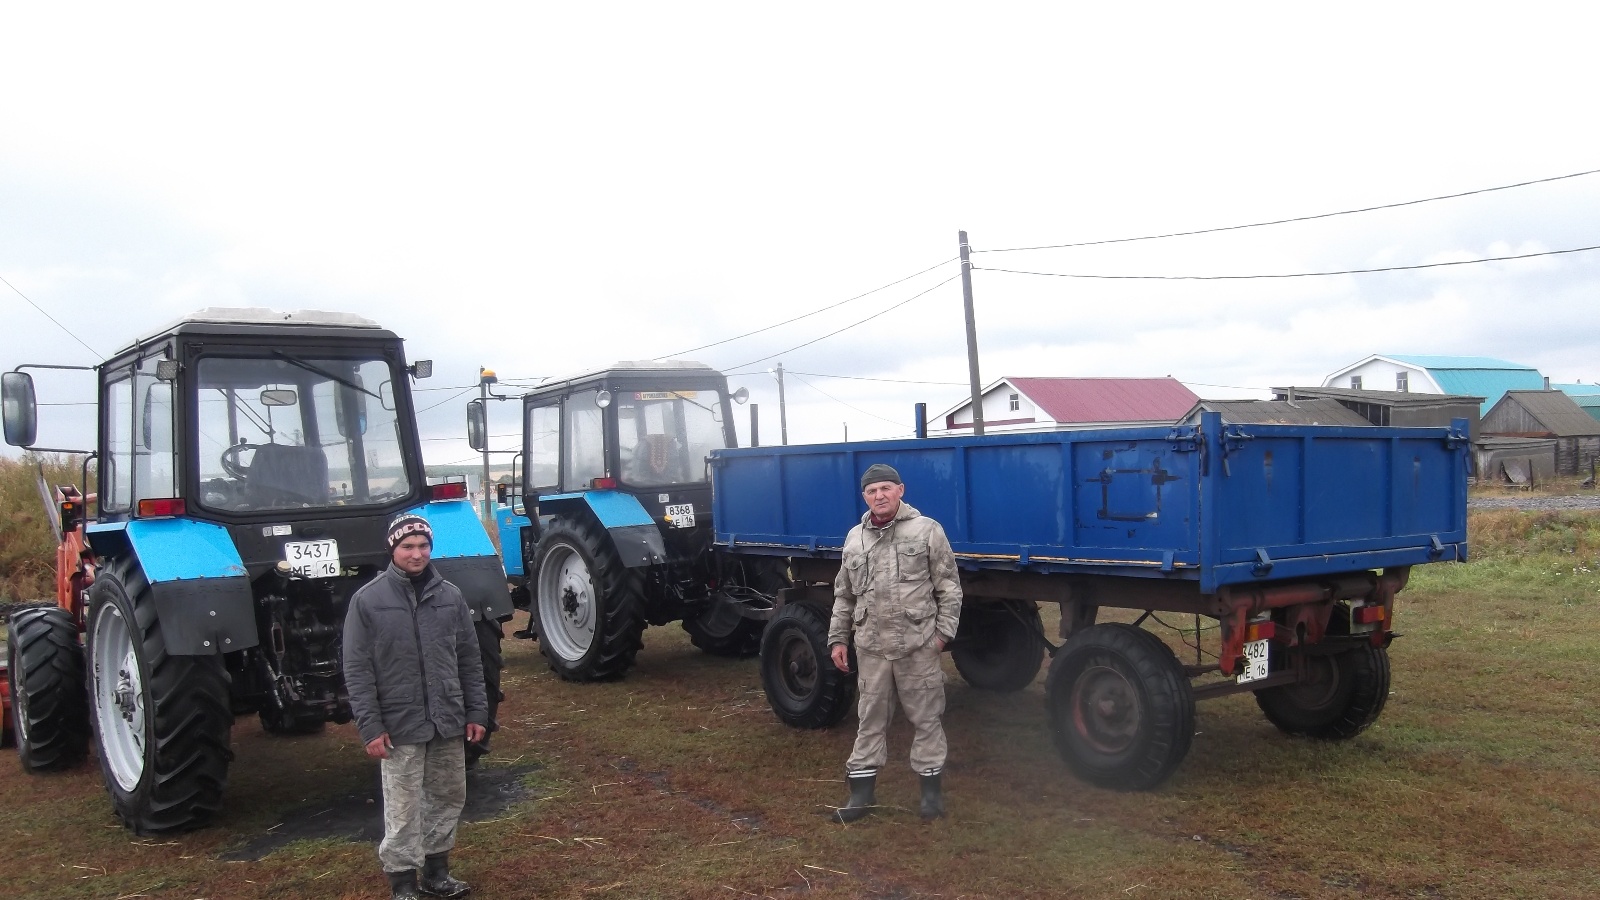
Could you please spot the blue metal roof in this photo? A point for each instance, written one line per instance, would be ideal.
(1577, 390)
(1476, 376)
(1457, 362)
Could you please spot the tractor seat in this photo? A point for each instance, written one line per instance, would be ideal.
(283, 472)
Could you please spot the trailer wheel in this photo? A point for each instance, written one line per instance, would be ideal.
(162, 720)
(803, 687)
(49, 710)
(587, 604)
(999, 648)
(1121, 712)
(1342, 695)
(719, 630)
(489, 636)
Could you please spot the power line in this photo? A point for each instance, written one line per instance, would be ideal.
(447, 399)
(864, 378)
(809, 314)
(841, 402)
(80, 340)
(1346, 212)
(1459, 262)
(850, 326)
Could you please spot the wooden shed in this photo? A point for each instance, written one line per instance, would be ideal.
(1548, 414)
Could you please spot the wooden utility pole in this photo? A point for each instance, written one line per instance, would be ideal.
(972, 339)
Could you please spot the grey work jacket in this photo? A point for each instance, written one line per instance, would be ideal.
(411, 664)
(897, 586)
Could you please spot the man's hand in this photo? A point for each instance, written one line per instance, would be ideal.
(841, 658)
(940, 642)
(475, 733)
(379, 747)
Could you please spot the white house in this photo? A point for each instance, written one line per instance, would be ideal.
(1058, 404)
(1476, 376)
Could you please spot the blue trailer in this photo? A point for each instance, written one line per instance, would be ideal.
(1294, 539)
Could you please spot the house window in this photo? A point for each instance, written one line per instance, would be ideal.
(1355, 382)
(1016, 402)
(1402, 382)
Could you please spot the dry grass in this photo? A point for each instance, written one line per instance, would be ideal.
(27, 547)
(1481, 780)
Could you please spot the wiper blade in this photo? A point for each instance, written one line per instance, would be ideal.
(296, 361)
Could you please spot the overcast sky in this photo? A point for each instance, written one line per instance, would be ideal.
(544, 188)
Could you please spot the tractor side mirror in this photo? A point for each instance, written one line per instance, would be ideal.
(20, 411)
(477, 426)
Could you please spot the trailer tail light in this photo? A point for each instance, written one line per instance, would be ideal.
(603, 484)
(1366, 615)
(1261, 631)
(166, 506)
(450, 490)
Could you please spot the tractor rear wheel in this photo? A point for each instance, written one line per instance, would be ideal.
(162, 720)
(489, 637)
(802, 684)
(719, 629)
(1121, 711)
(1341, 695)
(50, 714)
(999, 648)
(586, 603)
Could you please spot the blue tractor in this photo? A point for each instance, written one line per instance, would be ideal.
(248, 463)
(615, 530)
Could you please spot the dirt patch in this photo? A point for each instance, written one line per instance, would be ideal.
(358, 816)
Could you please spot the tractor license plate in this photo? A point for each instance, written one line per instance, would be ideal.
(312, 559)
(681, 514)
(1255, 661)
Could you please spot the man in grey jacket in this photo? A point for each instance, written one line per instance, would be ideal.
(899, 595)
(415, 677)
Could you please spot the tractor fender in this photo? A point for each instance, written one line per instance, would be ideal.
(509, 524)
(636, 536)
(463, 555)
(197, 580)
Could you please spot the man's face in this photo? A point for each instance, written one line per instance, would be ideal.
(883, 498)
(412, 554)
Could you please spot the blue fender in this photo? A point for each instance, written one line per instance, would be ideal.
(197, 580)
(463, 554)
(636, 536)
(509, 523)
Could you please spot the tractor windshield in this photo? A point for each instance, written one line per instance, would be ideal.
(665, 436)
(295, 432)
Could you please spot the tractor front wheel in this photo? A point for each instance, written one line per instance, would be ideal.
(162, 720)
(586, 604)
(45, 671)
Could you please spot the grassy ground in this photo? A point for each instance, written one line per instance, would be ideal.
(1481, 780)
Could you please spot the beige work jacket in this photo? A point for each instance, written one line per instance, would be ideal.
(897, 586)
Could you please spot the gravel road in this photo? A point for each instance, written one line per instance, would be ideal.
(1578, 501)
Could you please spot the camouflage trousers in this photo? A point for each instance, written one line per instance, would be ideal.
(917, 682)
(424, 789)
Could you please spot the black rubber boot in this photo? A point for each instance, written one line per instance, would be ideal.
(932, 797)
(403, 886)
(861, 802)
(436, 880)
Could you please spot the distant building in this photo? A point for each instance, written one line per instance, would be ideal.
(1394, 407)
(1548, 414)
(1277, 412)
(1060, 404)
(1477, 376)
(1587, 396)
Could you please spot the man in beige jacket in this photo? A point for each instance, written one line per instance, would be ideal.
(899, 595)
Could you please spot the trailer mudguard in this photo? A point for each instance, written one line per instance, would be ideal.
(197, 580)
(636, 536)
(463, 555)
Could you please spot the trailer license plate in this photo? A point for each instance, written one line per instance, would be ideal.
(1255, 661)
(312, 559)
(681, 514)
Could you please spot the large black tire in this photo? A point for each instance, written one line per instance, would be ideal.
(587, 605)
(489, 637)
(719, 630)
(802, 684)
(1121, 711)
(161, 720)
(1344, 693)
(999, 648)
(49, 710)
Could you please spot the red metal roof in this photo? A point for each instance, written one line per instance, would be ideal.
(1073, 400)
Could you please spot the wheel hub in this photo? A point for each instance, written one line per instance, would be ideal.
(1105, 709)
(125, 697)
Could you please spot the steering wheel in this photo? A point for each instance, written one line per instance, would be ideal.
(230, 461)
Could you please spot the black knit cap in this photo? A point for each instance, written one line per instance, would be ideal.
(405, 525)
(879, 472)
